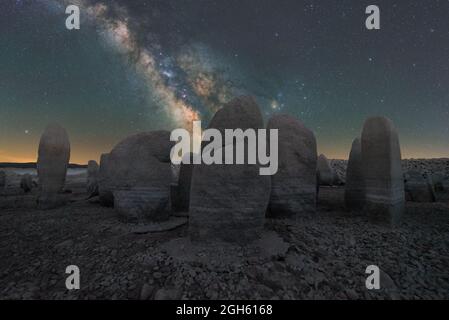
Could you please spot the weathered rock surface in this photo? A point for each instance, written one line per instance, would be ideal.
(52, 163)
(381, 161)
(229, 202)
(92, 178)
(293, 187)
(326, 172)
(419, 188)
(139, 176)
(355, 181)
(137, 204)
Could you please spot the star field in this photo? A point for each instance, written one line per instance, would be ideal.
(144, 65)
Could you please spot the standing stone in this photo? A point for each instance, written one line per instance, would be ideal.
(139, 176)
(355, 182)
(26, 183)
(381, 161)
(92, 178)
(326, 172)
(180, 192)
(104, 183)
(418, 188)
(293, 187)
(2, 179)
(228, 202)
(53, 160)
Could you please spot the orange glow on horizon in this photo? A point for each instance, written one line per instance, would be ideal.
(83, 156)
(76, 157)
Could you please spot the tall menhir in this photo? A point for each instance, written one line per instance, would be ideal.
(382, 170)
(53, 160)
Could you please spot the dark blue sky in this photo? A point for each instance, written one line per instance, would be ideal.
(312, 59)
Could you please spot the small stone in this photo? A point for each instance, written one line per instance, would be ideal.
(167, 294)
(146, 292)
(352, 294)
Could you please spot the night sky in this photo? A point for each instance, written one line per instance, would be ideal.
(144, 65)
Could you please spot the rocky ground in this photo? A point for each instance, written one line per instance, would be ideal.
(432, 167)
(320, 257)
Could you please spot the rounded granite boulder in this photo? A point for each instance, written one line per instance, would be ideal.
(138, 174)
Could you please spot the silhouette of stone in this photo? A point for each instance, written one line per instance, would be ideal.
(139, 173)
(293, 187)
(355, 182)
(26, 183)
(326, 172)
(418, 188)
(104, 183)
(229, 202)
(52, 163)
(382, 170)
(92, 178)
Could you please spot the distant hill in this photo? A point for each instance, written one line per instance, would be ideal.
(32, 165)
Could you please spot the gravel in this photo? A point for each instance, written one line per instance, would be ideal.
(320, 257)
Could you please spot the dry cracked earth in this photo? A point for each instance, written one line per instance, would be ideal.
(320, 257)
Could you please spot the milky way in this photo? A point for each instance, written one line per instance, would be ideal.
(179, 83)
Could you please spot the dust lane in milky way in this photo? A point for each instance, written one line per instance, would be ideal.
(143, 65)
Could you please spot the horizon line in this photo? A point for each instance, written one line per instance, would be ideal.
(33, 163)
